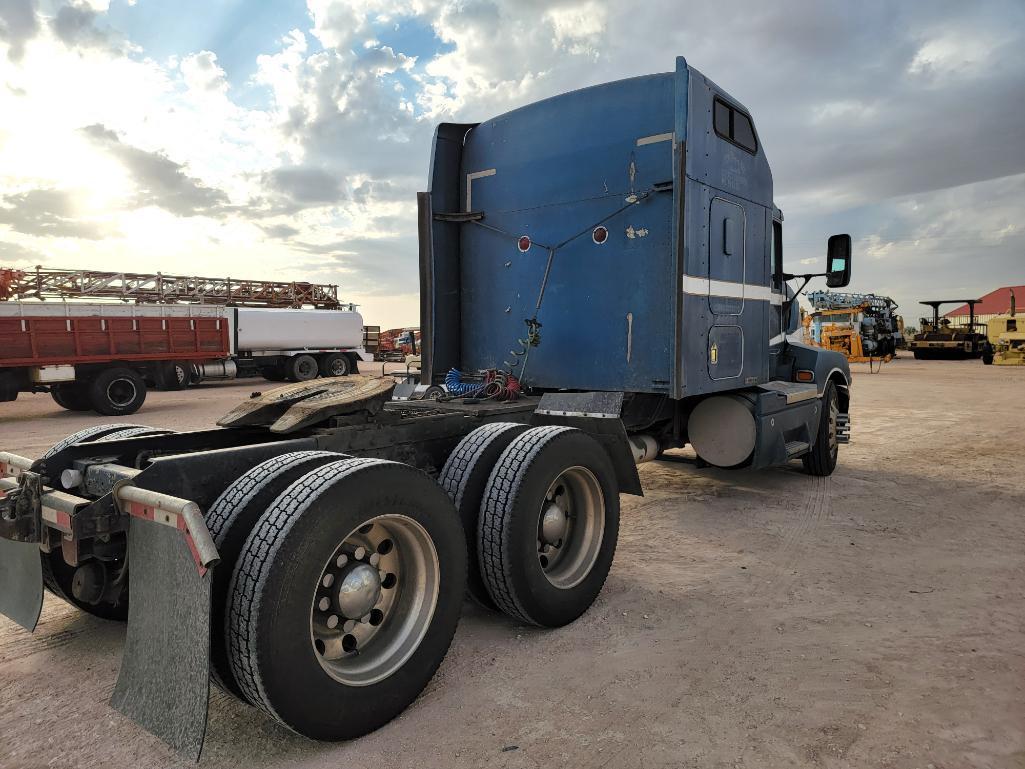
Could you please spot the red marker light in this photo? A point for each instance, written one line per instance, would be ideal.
(600, 235)
(523, 243)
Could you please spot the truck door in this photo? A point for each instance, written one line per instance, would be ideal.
(726, 269)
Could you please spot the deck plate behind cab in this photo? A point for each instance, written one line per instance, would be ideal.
(292, 407)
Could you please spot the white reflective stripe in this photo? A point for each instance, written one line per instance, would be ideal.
(705, 287)
(469, 183)
(655, 139)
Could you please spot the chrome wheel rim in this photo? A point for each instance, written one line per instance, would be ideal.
(570, 527)
(121, 392)
(375, 600)
(339, 367)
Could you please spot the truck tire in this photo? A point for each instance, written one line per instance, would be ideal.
(117, 392)
(463, 478)
(387, 538)
(301, 368)
(548, 525)
(70, 396)
(821, 460)
(86, 435)
(335, 364)
(174, 375)
(230, 519)
(274, 374)
(58, 576)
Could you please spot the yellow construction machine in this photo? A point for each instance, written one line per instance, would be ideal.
(1005, 340)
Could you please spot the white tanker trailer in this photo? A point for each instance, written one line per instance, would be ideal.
(284, 344)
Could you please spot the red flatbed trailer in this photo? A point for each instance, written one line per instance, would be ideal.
(100, 356)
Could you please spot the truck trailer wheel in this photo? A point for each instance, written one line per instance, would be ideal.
(346, 596)
(821, 460)
(301, 368)
(335, 364)
(463, 478)
(70, 396)
(230, 519)
(117, 392)
(548, 525)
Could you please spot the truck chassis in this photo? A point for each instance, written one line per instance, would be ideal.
(379, 504)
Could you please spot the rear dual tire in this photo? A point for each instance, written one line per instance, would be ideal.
(332, 681)
(540, 511)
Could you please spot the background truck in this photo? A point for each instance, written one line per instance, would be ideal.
(863, 327)
(103, 355)
(310, 555)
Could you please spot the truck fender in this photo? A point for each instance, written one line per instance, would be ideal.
(599, 415)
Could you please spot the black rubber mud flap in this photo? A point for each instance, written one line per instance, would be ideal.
(21, 582)
(164, 683)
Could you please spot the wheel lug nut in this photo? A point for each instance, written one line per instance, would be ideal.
(328, 580)
(365, 619)
(375, 559)
(324, 603)
(342, 560)
(332, 621)
(349, 626)
(360, 553)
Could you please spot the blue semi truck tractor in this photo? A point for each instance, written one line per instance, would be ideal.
(602, 281)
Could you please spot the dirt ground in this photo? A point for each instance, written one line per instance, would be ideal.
(752, 619)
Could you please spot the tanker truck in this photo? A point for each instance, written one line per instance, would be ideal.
(104, 356)
(310, 555)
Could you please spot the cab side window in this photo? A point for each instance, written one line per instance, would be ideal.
(734, 126)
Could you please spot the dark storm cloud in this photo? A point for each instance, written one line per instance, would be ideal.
(18, 24)
(159, 180)
(47, 212)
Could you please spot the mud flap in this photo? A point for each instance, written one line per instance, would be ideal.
(21, 582)
(164, 682)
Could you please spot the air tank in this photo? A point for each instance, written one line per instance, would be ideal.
(276, 329)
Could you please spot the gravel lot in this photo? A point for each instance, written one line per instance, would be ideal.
(752, 619)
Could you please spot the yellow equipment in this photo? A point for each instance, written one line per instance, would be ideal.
(840, 330)
(1005, 339)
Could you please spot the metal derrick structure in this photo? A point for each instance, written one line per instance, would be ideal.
(161, 288)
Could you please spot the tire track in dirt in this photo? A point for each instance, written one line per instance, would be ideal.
(813, 509)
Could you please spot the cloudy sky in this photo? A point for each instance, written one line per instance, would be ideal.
(287, 139)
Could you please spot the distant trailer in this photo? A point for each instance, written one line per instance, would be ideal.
(104, 356)
(100, 356)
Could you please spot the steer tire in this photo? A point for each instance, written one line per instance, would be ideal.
(301, 368)
(335, 364)
(821, 460)
(117, 392)
(70, 396)
(509, 527)
(278, 577)
(230, 519)
(463, 478)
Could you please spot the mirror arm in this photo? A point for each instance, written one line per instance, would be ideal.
(788, 305)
